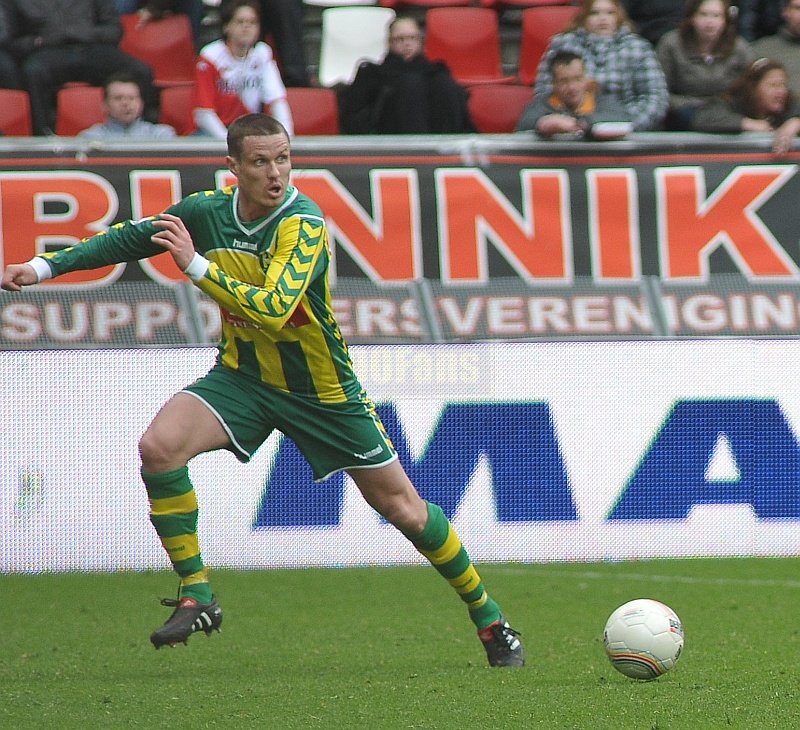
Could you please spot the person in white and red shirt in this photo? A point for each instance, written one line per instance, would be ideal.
(237, 74)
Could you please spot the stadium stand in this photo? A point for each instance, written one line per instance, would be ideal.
(175, 108)
(314, 110)
(166, 45)
(502, 4)
(496, 108)
(467, 39)
(15, 113)
(350, 35)
(538, 25)
(399, 4)
(77, 108)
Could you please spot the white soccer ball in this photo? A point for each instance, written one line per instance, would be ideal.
(643, 638)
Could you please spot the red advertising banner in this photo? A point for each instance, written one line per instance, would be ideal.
(439, 239)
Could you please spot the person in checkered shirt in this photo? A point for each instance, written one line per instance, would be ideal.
(623, 63)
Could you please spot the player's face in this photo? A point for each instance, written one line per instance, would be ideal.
(602, 18)
(123, 102)
(772, 92)
(263, 171)
(709, 21)
(569, 83)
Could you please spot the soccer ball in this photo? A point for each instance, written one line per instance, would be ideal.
(643, 638)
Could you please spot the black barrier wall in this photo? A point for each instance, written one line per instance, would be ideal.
(446, 239)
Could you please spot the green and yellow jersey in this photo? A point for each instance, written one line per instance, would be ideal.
(269, 278)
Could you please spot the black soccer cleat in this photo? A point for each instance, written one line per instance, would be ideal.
(189, 616)
(502, 644)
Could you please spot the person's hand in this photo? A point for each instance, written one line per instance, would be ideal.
(551, 124)
(755, 125)
(145, 16)
(784, 136)
(175, 238)
(18, 275)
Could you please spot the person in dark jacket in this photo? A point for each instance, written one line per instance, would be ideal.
(759, 101)
(653, 18)
(9, 72)
(57, 41)
(406, 93)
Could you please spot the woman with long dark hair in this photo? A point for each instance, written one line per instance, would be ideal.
(701, 58)
(759, 101)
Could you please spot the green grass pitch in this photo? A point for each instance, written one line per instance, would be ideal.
(393, 648)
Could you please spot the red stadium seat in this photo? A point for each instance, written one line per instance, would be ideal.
(496, 108)
(314, 110)
(78, 108)
(166, 45)
(539, 25)
(468, 41)
(399, 4)
(501, 4)
(175, 108)
(15, 113)
(350, 35)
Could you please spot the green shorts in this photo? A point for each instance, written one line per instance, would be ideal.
(331, 436)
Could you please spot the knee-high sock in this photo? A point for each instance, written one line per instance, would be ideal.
(440, 544)
(173, 513)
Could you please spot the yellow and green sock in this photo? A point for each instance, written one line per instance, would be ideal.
(440, 544)
(173, 513)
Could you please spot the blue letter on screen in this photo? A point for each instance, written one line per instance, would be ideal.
(671, 478)
(517, 440)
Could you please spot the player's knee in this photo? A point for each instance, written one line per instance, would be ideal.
(154, 453)
(409, 516)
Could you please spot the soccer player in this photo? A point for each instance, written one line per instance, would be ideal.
(260, 250)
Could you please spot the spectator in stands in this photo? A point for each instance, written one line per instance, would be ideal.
(758, 18)
(283, 22)
(9, 71)
(405, 93)
(759, 101)
(123, 106)
(653, 18)
(785, 44)
(57, 41)
(237, 74)
(156, 9)
(701, 58)
(575, 105)
(623, 63)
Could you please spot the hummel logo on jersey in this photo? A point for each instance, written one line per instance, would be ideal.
(246, 245)
(369, 454)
